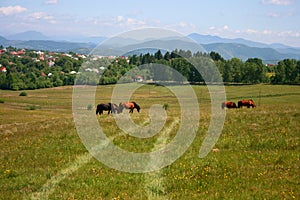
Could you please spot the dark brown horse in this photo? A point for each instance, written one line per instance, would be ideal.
(129, 105)
(110, 107)
(228, 104)
(248, 103)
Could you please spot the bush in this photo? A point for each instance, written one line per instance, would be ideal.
(23, 94)
(1, 101)
(165, 106)
(90, 107)
(33, 107)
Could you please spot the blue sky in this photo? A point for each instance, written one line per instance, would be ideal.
(268, 21)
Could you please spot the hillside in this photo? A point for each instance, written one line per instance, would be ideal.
(228, 48)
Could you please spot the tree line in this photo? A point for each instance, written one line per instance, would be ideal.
(251, 71)
(28, 72)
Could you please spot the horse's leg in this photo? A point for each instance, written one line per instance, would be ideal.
(240, 105)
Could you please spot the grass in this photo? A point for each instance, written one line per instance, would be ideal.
(256, 157)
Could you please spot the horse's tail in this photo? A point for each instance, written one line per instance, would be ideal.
(234, 105)
(223, 105)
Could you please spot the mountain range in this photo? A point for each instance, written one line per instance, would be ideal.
(228, 48)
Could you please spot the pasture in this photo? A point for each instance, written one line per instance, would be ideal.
(256, 157)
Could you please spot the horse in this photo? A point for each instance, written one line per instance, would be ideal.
(249, 103)
(228, 104)
(110, 107)
(129, 105)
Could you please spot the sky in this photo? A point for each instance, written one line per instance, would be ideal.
(267, 21)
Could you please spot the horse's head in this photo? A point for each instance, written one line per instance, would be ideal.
(138, 108)
(252, 103)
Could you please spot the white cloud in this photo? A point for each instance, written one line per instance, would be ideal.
(277, 2)
(225, 27)
(267, 32)
(273, 15)
(10, 10)
(43, 16)
(288, 13)
(251, 31)
(129, 22)
(51, 1)
(295, 34)
(289, 37)
(120, 18)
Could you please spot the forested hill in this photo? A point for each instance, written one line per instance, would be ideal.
(27, 69)
(241, 51)
(226, 48)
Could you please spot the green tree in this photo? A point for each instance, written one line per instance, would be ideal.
(227, 73)
(237, 66)
(67, 66)
(256, 70)
(182, 66)
(158, 55)
(248, 73)
(216, 56)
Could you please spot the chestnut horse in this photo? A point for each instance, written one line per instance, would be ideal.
(110, 107)
(129, 105)
(249, 103)
(228, 104)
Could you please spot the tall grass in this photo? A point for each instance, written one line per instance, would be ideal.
(256, 157)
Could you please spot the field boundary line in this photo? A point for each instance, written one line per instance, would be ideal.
(49, 187)
(154, 180)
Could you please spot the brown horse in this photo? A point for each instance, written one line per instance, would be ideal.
(228, 104)
(129, 105)
(110, 107)
(249, 103)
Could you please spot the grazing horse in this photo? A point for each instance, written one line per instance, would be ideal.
(249, 103)
(228, 104)
(129, 105)
(111, 108)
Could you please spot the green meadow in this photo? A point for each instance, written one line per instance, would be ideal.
(256, 157)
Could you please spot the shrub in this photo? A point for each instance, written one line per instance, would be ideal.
(165, 106)
(23, 94)
(1, 101)
(90, 107)
(33, 107)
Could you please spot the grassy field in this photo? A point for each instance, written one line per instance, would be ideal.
(256, 157)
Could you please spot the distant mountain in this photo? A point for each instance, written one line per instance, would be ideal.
(208, 39)
(79, 39)
(228, 48)
(28, 35)
(126, 46)
(35, 35)
(48, 45)
(3, 40)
